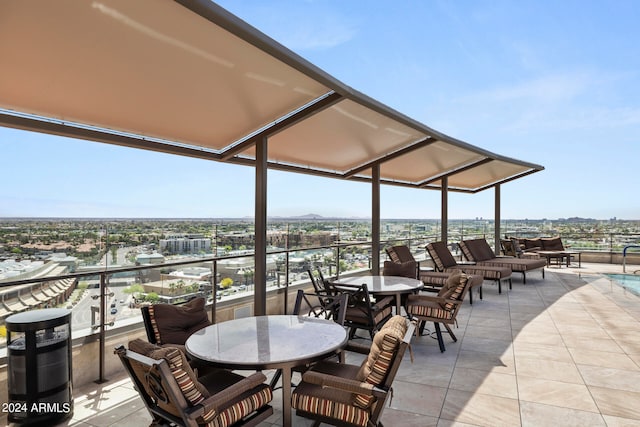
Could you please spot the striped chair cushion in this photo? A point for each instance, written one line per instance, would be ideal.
(325, 402)
(385, 344)
(435, 311)
(441, 256)
(465, 251)
(194, 392)
(154, 325)
(239, 410)
(455, 287)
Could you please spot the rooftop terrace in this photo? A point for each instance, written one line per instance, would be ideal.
(564, 350)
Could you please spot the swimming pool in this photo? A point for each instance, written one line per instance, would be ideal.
(631, 282)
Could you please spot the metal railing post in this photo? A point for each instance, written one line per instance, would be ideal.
(102, 333)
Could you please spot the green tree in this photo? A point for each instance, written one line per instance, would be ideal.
(134, 290)
(152, 297)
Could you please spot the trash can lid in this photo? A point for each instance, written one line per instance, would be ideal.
(38, 319)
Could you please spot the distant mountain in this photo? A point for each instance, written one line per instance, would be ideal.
(309, 216)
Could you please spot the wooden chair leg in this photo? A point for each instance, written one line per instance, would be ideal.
(439, 335)
(453, 337)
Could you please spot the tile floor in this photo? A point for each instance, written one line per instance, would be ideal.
(561, 351)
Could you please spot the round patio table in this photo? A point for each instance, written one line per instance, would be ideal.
(268, 342)
(384, 285)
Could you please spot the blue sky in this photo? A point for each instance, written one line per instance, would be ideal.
(552, 83)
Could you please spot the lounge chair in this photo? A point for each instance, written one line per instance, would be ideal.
(513, 247)
(479, 251)
(444, 261)
(433, 280)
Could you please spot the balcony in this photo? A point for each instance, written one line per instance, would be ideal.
(564, 347)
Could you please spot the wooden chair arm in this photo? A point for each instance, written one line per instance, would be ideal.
(345, 384)
(357, 347)
(433, 298)
(388, 300)
(219, 400)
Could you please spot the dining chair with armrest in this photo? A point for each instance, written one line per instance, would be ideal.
(364, 313)
(174, 394)
(348, 395)
(442, 308)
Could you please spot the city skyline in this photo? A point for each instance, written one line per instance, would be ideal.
(552, 84)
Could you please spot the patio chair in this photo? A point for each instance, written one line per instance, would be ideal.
(479, 251)
(173, 393)
(445, 262)
(321, 306)
(173, 324)
(401, 255)
(355, 395)
(363, 313)
(512, 247)
(443, 308)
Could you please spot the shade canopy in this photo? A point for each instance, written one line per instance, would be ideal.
(187, 77)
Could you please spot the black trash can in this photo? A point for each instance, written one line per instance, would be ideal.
(39, 373)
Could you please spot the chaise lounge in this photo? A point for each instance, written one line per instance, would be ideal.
(444, 261)
(479, 251)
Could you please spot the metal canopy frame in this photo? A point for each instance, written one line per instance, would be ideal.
(186, 77)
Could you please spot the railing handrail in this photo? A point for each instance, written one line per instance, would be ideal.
(624, 256)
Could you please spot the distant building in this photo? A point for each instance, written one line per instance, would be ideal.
(154, 258)
(185, 244)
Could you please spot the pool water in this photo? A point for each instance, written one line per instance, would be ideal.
(630, 282)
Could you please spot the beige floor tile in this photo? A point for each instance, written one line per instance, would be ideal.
(548, 370)
(503, 363)
(485, 345)
(544, 352)
(433, 374)
(635, 358)
(480, 409)
(556, 393)
(418, 398)
(536, 414)
(603, 359)
(629, 347)
(618, 403)
(534, 326)
(584, 331)
(541, 338)
(611, 378)
(393, 417)
(526, 318)
(485, 382)
(448, 423)
(502, 334)
(579, 342)
(491, 322)
(619, 422)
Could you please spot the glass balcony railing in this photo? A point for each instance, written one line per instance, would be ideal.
(103, 271)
